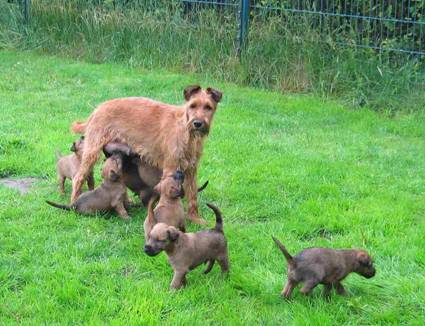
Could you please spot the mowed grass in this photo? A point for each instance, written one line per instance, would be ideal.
(310, 172)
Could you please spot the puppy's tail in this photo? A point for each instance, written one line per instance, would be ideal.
(58, 154)
(78, 127)
(285, 252)
(218, 218)
(151, 216)
(201, 188)
(65, 207)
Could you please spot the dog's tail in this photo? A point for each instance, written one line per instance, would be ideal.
(218, 218)
(65, 207)
(78, 127)
(285, 252)
(201, 188)
(151, 216)
(58, 154)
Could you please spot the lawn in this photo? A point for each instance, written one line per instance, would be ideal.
(308, 171)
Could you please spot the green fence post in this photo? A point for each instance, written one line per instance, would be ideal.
(243, 25)
(27, 4)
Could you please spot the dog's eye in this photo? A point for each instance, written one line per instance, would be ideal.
(193, 106)
(208, 108)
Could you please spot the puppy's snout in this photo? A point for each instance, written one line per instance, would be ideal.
(371, 273)
(197, 124)
(148, 249)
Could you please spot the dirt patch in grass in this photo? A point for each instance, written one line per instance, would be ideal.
(23, 185)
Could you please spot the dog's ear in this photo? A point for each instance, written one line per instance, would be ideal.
(157, 188)
(113, 175)
(364, 259)
(172, 233)
(190, 90)
(215, 94)
(73, 147)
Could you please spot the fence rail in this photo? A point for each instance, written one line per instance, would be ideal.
(382, 25)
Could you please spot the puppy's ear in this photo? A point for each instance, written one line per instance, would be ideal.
(172, 233)
(190, 90)
(73, 147)
(215, 94)
(113, 175)
(157, 188)
(364, 259)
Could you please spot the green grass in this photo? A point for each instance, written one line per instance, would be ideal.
(309, 171)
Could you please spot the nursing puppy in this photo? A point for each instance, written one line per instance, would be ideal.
(187, 251)
(325, 266)
(169, 209)
(67, 166)
(139, 176)
(110, 195)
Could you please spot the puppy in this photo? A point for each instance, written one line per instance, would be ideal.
(111, 194)
(325, 266)
(186, 251)
(67, 166)
(170, 208)
(139, 176)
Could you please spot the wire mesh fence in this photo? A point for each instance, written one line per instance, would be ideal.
(383, 25)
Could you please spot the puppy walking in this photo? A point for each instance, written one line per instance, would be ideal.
(67, 166)
(186, 251)
(111, 194)
(167, 136)
(315, 266)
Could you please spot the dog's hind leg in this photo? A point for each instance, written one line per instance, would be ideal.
(209, 266)
(62, 184)
(224, 263)
(90, 156)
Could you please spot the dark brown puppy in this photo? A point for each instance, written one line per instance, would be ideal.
(187, 251)
(111, 194)
(315, 266)
(67, 166)
(167, 136)
(139, 176)
(169, 209)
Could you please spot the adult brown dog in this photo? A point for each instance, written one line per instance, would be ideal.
(315, 266)
(167, 136)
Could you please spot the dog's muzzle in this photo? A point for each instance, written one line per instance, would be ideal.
(200, 126)
(150, 251)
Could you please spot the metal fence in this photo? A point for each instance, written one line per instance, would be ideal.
(383, 25)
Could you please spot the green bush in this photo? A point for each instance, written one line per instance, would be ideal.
(285, 52)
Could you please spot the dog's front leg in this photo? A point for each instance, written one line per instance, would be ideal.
(120, 209)
(179, 280)
(191, 190)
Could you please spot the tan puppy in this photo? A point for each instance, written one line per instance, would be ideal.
(187, 251)
(170, 208)
(110, 195)
(67, 166)
(315, 266)
(166, 136)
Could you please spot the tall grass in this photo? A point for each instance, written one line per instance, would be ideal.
(285, 53)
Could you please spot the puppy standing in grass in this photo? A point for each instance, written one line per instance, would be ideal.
(167, 136)
(186, 251)
(67, 166)
(111, 194)
(315, 266)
